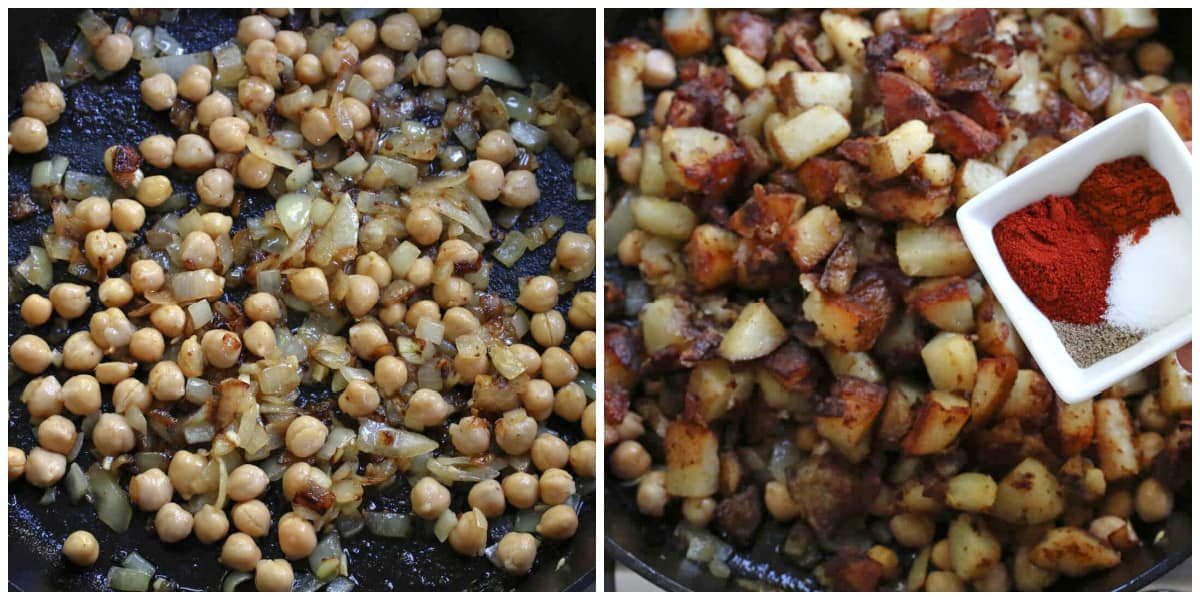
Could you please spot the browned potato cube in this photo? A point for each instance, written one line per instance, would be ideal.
(663, 322)
(934, 251)
(1114, 439)
(993, 383)
(950, 360)
(975, 176)
(802, 90)
(973, 548)
(687, 31)
(623, 65)
(744, 69)
(846, 417)
(812, 237)
(1073, 552)
(939, 419)
(652, 178)
(945, 303)
(718, 388)
(852, 321)
(755, 334)
(1127, 23)
(692, 463)
(1028, 495)
(709, 256)
(698, 159)
(937, 169)
(662, 217)
(893, 153)
(1030, 397)
(1177, 107)
(971, 492)
(1175, 393)
(1075, 424)
(764, 216)
(997, 336)
(808, 134)
(848, 35)
(899, 412)
(1028, 577)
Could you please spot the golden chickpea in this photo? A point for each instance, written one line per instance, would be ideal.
(228, 134)
(521, 490)
(629, 460)
(516, 552)
(166, 382)
(426, 408)
(36, 310)
(363, 34)
(297, 538)
(462, 74)
(104, 249)
(173, 523)
(254, 172)
(41, 397)
(213, 107)
(488, 497)
(392, 314)
(359, 399)
(576, 251)
(424, 226)
(485, 179)
(309, 285)
(210, 524)
(247, 482)
(250, 28)
(1152, 57)
(569, 402)
(652, 495)
(43, 468)
(548, 328)
(515, 433)
(128, 216)
(459, 321)
(193, 153)
(259, 339)
(583, 349)
(146, 276)
(426, 16)
(16, 463)
(159, 91)
(549, 452)
(539, 294)
(421, 272)
(360, 114)
(109, 329)
(316, 124)
(453, 291)
(221, 348)
(215, 187)
(362, 293)
(699, 511)
(391, 374)
(185, 469)
(471, 436)
(158, 150)
(378, 70)
(28, 135)
(305, 436)
(81, 352)
(430, 499)
(81, 395)
(169, 319)
(81, 548)
(57, 434)
(261, 306)
(95, 212)
(529, 356)
(583, 311)
(538, 399)
(496, 42)
(556, 486)
(431, 69)
(1153, 501)
(261, 57)
(147, 345)
(583, 458)
(340, 51)
(400, 32)
(154, 190)
(588, 421)
(520, 189)
(374, 266)
(195, 84)
(114, 52)
(43, 101)
(369, 341)
(274, 576)
(112, 373)
(558, 367)
(308, 70)
(150, 490)
(558, 522)
(31, 354)
(496, 146)
(252, 518)
(255, 94)
(129, 393)
(291, 44)
(469, 535)
(240, 553)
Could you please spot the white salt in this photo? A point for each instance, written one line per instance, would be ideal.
(1152, 278)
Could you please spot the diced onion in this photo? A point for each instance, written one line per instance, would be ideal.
(619, 223)
(506, 361)
(403, 257)
(54, 73)
(230, 66)
(37, 268)
(269, 281)
(278, 379)
(445, 523)
(271, 153)
(166, 44)
(394, 525)
(121, 579)
(194, 285)
(112, 505)
(76, 483)
(530, 136)
(201, 313)
(519, 106)
(429, 330)
(360, 89)
(143, 43)
(339, 235)
(294, 212)
(352, 166)
(93, 27)
(78, 186)
(327, 559)
(234, 579)
(197, 390)
(338, 438)
(511, 249)
(377, 438)
(498, 69)
(300, 176)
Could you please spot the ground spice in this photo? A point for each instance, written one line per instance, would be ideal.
(1126, 195)
(1059, 258)
(1090, 344)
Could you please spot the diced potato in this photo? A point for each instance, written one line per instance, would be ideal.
(1028, 495)
(937, 169)
(973, 177)
(764, 216)
(1114, 439)
(698, 159)
(1175, 387)
(903, 201)
(995, 331)
(1177, 108)
(945, 303)
(1128, 23)
(1028, 577)
(667, 218)
(1075, 424)
(934, 251)
(916, 497)
(859, 402)
(892, 154)
(663, 322)
(813, 236)
(950, 360)
(973, 549)
(1035, 149)
(756, 333)
(652, 179)
(709, 256)
(744, 69)
(852, 321)
(778, 70)
(687, 31)
(618, 134)
(802, 90)
(755, 108)
(1024, 96)
(856, 364)
(1063, 36)
(918, 66)
(939, 419)
(919, 571)
(776, 395)
(623, 66)
(1006, 153)
(1030, 397)
(1073, 552)
(848, 35)
(692, 463)
(971, 492)
(915, 18)
(718, 388)
(899, 412)
(808, 134)
(993, 383)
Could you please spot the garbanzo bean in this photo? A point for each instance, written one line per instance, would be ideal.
(159, 91)
(57, 434)
(459, 321)
(549, 452)
(28, 135)
(629, 460)
(400, 32)
(368, 340)
(166, 382)
(261, 306)
(576, 251)
(555, 486)
(250, 28)
(193, 153)
(426, 16)
(340, 51)
(458, 40)
(44, 468)
(95, 212)
(1153, 501)
(363, 34)
(430, 498)
(496, 146)
(221, 348)
(150, 490)
(36, 309)
(255, 94)
(583, 349)
(520, 189)
(538, 399)
(254, 172)
(261, 57)
(588, 421)
(147, 345)
(210, 524)
(82, 353)
(516, 552)
(252, 518)
(424, 226)
(146, 276)
(213, 107)
(582, 313)
(127, 216)
(515, 433)
(471, 436)
(309, 285)
(569, 402)
(185, 470)
(378, 70)
(496, 42)
(426, 408)
(421, 272)
(374, 266)
(291, 44)
(247, 482)
(154, 190)
(469, 535)
(240, 553)
(158, 150)
(652, 494)
(81, 548)
(104, 249)
(173, 523)
(70, 300)
(195, 84)
(391, 374)
(31, 354)
(129, 393)
(43, 101)
(431, 69)
(274, 576)
(16, 463)
(528, 356)
(539, 294)
(558, 522)
(362, 293)
(308, 70)
(228, 134)
(583, 458)
(41, 397)
(548, 328)
(297, 538)
(558, 367)
(488, 497)
(359, 399)
(521, 489)
(259, 339)
(305, 436)
(169, 319)
(485, 178)
(81, 395)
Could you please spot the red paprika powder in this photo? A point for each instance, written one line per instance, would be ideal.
(1126, 195)
(1060, 258)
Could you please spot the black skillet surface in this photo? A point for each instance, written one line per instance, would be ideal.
(649, 546)
(100, 114)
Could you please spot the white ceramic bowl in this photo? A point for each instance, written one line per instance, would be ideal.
(1141, 130)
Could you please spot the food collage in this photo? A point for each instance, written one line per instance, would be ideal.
(599, 299)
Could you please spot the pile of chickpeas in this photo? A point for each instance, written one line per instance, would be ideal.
(148, 352)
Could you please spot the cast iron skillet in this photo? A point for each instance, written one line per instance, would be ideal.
(649, 546)
(100, 114)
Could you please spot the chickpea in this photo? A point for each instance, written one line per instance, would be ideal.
(170, 320)
(521, 489)
(252, 518)
(146, 276)
(588, 421)
(374, 266)
(150, 490)
(363, 34)
(485, 179)
(261, 306)
(221, 348)
(309, 285)
(291, 44)
(539, 294)
(378, 70)
(583, 458)
(912, 530)
(274, 576)
(109, 329)
(254, 172)
(305, 436)
(430, 498)
(459, 321)
(549, 452)
(529, 356)
(308, 70)
(81, 395)
(1152, 57)
(629, 165)
(496, 146)
(129, 393)
(44, 468)
(104, 250)
(558, 367)
(43, 101)
(195, 83)
(515, 433)
(31, 353)
(259, 339)
(458, 40)
(424, 226)
(1153, 501)
(185, 469)
(369, 341)
(36, 310)
(158, 150)
(255, 94)
(520, 189)
(111, 373)
(250, 28)
(81, 548)
(454, 291)
(248, 482)
(95, 212)
(302, 477)
(555, 486)
(128, 216)
(228, 134)
(431, 69)
(193, 153)
(400, 32)
(362, 294)
(16, 463)
(213, 107)
(420, 273)
(28, 135)
(359, 113)
(391, 374)
(80, 352)
(340, 51)
(240, 553)
(211, 524)
(115, 292)
(558, 522)
(166, 382)
(583, 311)
(659, 71)
(114, 52)
(576, 251)
(516, 552)
(548, 328)
(629, 460)
(57, 434)
(426, 408)
(159, 91)
(359, 399)
(426, 16)
(488, 497)
(173, 523)
(297, 537)
(41, 397)
(147, 345)
(469, 535)
(496, 42)
(652, 495)
(583, 349)
(261, 57)
(538, 399)
(154, 191)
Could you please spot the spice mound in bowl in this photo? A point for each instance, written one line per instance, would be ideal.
(1107, 266)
